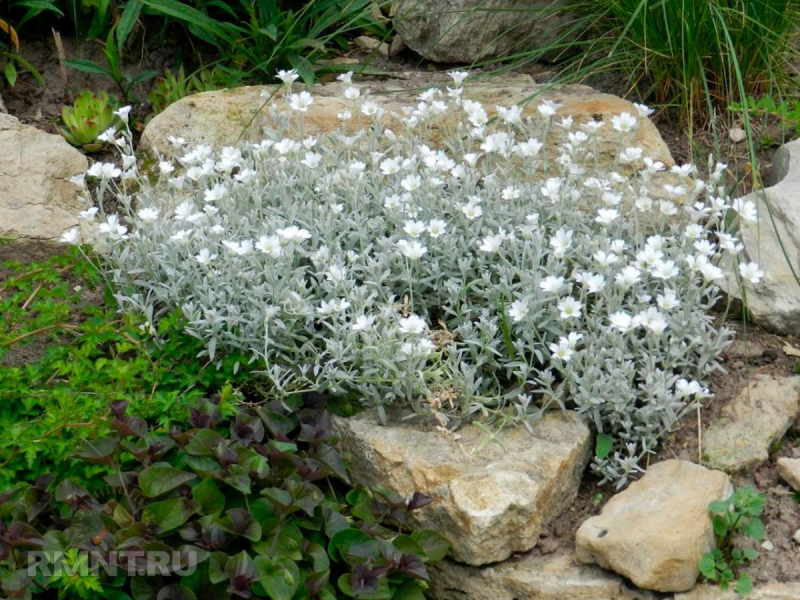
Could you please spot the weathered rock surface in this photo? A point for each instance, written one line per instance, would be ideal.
(789, 470)
(465, 31)
(740, 439)
(2, 106)
(774, 243)
(491, 498)
(224, 117)
(655, 532)
(37, 200)
(531, 577)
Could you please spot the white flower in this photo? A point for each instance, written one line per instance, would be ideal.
(165, 167)
(239, 248)
(683, 170)
(648, 257)
(530, 148)
(414, 228)
(729, 243)
(704, 247)
(746, 209)
(668, 300)
(621, 321)
(458, 76)
(628, 276)
(436, 228)
(413, 324)
(552, 284)
(606, 216)
(270, 244)
(693, 231)
(561, 352)
(205, 257)
(710, 271)
(123, 113)
(70, 236)
(518, 310)
(351, 93)
(630, 155)
(664, 269)
(548, 108)
(667, 208)
(370, 108)
(344, 115)
(472, 211)
(176, 142)
(750, 272)
(643, 110)
(561, 241)
(411, 250)
(363, 323)
(104, 171)
(491, 243)
(216, 193)
(329, 307)
(148, 214)
(89, 214)
(294, 233)
(653, 320)
(594, 283)
(569, 308)
(113, 228)
(605, 259)
(551, 188)
(644, 203)
(511, 115)
(411, 183)
(300, 101)
(346, 78)
(624, 122)
(108, 136)
(421, 348)
(685, 389)
(181, 236)
(288, 77)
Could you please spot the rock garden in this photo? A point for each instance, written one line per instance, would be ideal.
(389, 300)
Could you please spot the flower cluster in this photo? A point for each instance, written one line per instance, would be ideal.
(497, 269)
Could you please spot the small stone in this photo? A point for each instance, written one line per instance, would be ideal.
(490, 500)
(657, 530)
(797, 536)
(397, 46)
(369, 44)
(737, 135)
(768, 546)
(740, 440)
(789, 470)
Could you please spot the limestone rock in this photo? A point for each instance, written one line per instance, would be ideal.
(530, 577)
(466, 31)
(761, 414)
(37, 200)
(224, 117)
(774, 243)
(655, 532)
(789, 470)
(492, 498)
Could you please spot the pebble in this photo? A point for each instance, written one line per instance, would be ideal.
(797, 536)
(737, 135)
(768, 546)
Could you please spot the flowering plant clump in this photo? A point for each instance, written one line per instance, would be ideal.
(483, 278)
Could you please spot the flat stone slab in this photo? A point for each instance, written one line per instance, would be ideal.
(656, 531)
(740, 440)
(492, 498)
(531, 577)
(37, 199)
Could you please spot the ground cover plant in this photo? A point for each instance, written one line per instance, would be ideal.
(488, 279)
(251, 504)
(65, 354)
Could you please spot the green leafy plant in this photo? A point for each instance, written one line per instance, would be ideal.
(65, 353)
(786, 112)
(738, 515)
(174, 86)
(124, 81)
(10, 58)
(88, 117)
(256, 502)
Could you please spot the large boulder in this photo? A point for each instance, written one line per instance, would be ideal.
(774, 243)
(655, 532)
(532, 577)
(492, 497)
(226, 117)
(37, 198)
(740, 440)
(466, 31)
